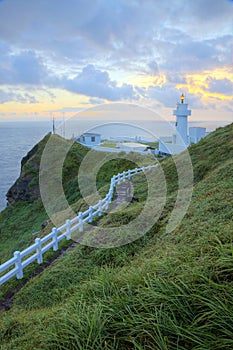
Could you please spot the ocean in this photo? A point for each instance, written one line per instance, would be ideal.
(17, 138)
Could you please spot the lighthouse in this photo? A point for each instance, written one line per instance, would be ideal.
(182, 112)
(179, 141)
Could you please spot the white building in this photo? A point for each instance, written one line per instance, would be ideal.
(133, 147)
(179, 141)
(196, 134)
(89, 139)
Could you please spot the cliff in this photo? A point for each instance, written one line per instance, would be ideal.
(26, 187)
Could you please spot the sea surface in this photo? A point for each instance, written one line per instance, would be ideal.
(17, 138)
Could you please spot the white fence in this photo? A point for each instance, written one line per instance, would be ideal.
(20, 260)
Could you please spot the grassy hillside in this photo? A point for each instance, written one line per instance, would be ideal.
(163, 291)
(21, 222)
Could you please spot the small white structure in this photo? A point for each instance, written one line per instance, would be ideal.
(89, 139)
(169, 148)
(133, 147)
(196, 134)
(179, 141)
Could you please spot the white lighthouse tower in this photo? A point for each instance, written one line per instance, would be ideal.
(182, 112)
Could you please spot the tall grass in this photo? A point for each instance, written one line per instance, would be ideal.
(157, 314)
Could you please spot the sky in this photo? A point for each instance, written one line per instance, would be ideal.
(60, 57)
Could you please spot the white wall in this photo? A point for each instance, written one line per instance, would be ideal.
(196, 134)
(171, 148)
(90, 140)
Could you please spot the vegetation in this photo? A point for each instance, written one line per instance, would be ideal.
(109, 144)
(163, 291)
(153, 144)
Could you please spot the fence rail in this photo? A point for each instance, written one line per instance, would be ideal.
(34, 252)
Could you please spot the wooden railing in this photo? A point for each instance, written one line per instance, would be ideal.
(15, 266)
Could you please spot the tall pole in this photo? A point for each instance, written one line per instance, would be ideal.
(64, 130)
(53, 124)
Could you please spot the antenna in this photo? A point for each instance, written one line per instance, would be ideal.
(53, 124)
(64, 130)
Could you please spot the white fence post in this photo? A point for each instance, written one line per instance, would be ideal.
(110, 194)
(80, 220)
(18, 265)
(113, 180)
(68, 234)
(129, 174)
(100, 208)
(118, 179)
(90, 214)
(124, 176)
(107, 201)
(55, 242)
(38, 251)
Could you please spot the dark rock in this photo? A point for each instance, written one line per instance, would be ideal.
(134, 199)
(29, 155)
(21, 191)
(26, 187)
(45, 223)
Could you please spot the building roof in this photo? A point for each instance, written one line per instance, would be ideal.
(90, 134)
(133, 144)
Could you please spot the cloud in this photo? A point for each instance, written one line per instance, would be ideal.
(165, 94)
(153, 66)
(168, 94)
(8, 95)
(176, 78)
(66, 110)
(96, 101)
(23, 68)
(78, 45)
(203, 19)
(28, 68)
(191, 55)
(211, 10)
(76, 30)
(96, 83)
(220, 86)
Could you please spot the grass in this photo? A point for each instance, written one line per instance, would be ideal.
(154, 144)
(109, 144)
(17, 226)
(162, 291)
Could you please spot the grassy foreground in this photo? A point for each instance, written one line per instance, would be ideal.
(163, 291)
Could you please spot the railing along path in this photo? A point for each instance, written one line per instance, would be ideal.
(15, 266)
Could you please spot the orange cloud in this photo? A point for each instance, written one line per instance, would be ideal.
(197, 83)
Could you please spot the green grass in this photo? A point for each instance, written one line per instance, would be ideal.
(162, 291)
(154, 144)
(109, 144)
(18, 226)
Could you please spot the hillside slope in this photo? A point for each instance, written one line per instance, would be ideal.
(163, 291)
(25, 218)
